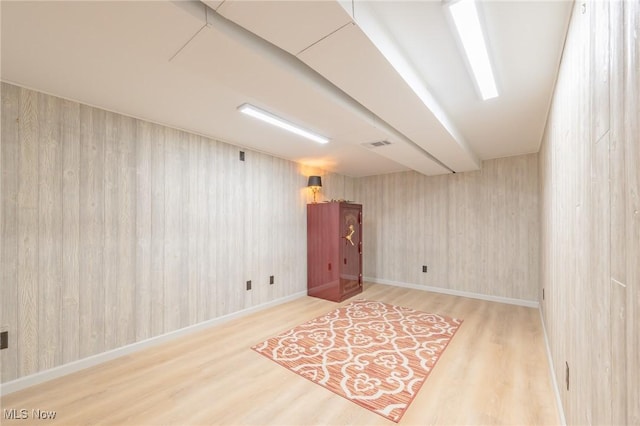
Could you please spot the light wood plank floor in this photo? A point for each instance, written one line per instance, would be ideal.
(494, 371)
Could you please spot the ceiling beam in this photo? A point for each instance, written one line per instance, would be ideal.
(366, 19)
(297, 67)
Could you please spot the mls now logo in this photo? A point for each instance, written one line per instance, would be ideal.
(22, 414)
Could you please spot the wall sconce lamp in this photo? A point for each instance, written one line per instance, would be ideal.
(315, 183)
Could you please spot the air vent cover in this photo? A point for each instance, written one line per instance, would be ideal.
(377, 144)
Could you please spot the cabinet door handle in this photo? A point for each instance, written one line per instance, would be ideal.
(350, 233)
(345, 260)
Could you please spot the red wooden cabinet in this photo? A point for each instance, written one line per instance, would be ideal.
(334, 250)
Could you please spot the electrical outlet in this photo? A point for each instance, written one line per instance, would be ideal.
(271, 279)
(566, 375)
(424, 268)
(249, 285)
(4, 340)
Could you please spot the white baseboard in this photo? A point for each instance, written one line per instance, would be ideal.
(81, 364)
(556, 389)
(507, 300)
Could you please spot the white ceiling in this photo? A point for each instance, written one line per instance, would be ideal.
(185, 65)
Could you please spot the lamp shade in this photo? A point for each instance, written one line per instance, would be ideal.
(315, 181)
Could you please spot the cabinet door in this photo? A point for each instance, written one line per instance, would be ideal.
(350, 248)
(323, 263)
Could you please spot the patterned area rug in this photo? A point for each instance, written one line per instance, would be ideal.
(372, 353)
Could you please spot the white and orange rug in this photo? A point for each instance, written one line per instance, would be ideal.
(372, 353)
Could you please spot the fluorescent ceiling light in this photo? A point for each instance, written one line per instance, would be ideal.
(465, 17)
(267, 117)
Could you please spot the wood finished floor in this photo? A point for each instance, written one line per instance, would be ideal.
(494, 371)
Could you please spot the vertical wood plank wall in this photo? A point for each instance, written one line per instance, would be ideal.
(476, 232)
(628, 124)
(590, 220)
(114, 230)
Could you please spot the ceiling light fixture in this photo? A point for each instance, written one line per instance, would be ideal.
(467, 22)
(267, 117)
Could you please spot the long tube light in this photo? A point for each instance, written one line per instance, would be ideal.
(274, 120)
(467, 22)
